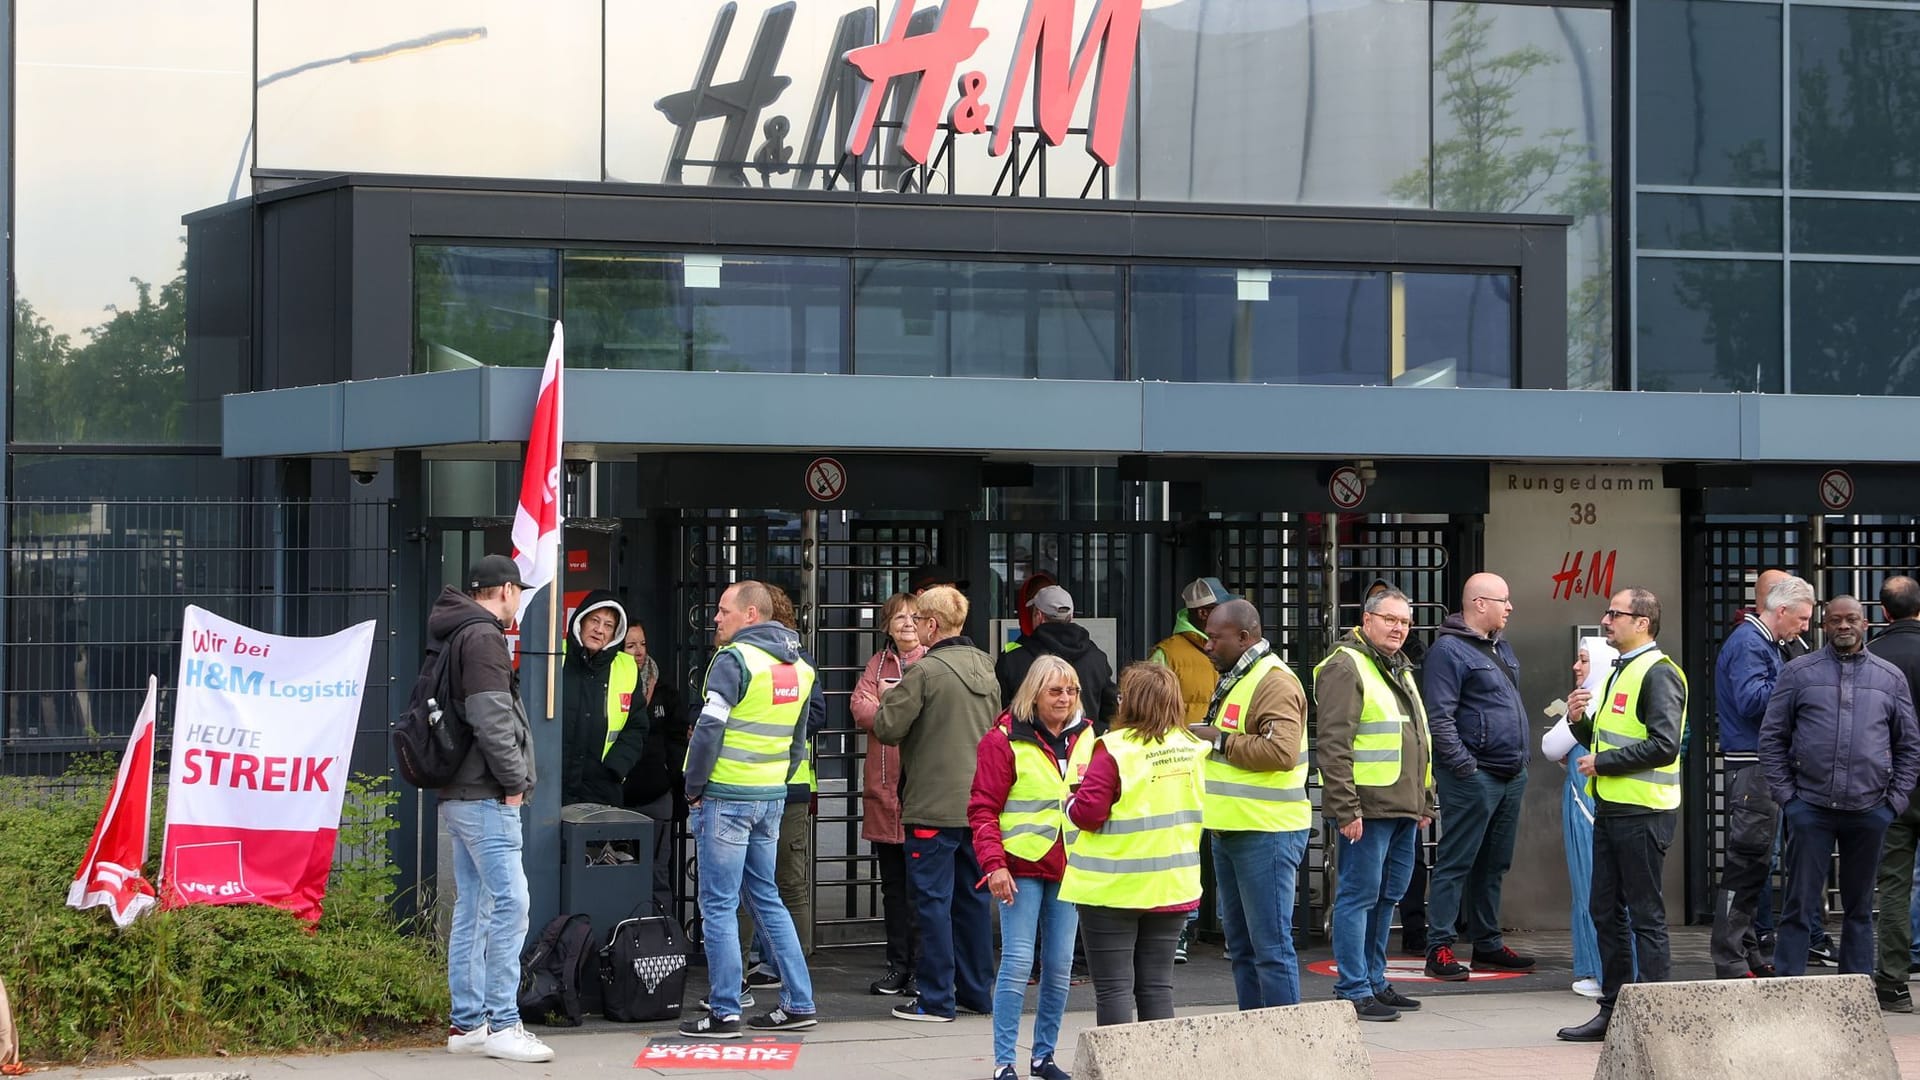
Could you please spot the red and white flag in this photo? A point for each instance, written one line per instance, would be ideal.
(537, 520)
(110, 874)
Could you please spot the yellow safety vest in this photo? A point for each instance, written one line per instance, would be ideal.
(758, 743)
(1378, 738)
(1147, 855)
(1036, 811)
(1195, 671)
(623, 678)
(1617, 724)
(1245, 800)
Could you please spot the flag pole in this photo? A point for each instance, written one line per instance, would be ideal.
(555, 593)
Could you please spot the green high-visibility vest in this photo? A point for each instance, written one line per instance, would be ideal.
(1377, 740)
(1617, 724)
(623, 677)
(1036, 810)
(1245, 800)
(758, 743)
(1147, 855)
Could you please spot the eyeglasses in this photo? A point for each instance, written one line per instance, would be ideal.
(1063, 691)
(1496, 600)
(1612, 613)
(924, 618)
(1395, 620)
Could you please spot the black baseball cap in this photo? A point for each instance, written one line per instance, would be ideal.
(926, 577)
(493, 570)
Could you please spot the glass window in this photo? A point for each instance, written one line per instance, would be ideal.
(1522, 123)
(442, 87)
(705, 312)
(1856, 99)
(1855, 227)
(1709, 93)
(1711, 222)
(1856, 329)
(1709, 324)
(483, 306)
(1459, 330)
(126, 116)
(1284, 101)
(1221, 324)
(1013, 320)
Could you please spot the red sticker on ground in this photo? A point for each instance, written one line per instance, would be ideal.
(759, 1053)
(1412, 971)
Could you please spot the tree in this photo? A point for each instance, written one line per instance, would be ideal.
(127, 384)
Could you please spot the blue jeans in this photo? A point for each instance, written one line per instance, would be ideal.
(1373, 876)
(1482, 816)
(489, 912)
(955, 920)
(1255, 874)
(1036, 910)
(737, 844)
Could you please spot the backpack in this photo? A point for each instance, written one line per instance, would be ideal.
(431, 738)
(550, 967)
(643, 968)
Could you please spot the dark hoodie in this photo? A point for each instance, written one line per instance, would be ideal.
(727, 681)
(1473, 707)
(487, 693)
(1099, 698)
(587, 775)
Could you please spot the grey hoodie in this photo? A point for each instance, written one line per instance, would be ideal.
(727, 681)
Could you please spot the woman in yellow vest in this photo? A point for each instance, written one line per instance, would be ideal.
(1134, 868)
(1035, 753)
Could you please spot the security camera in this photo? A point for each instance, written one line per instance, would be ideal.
(364, 468)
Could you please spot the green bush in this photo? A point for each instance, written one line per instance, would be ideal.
(202, 980)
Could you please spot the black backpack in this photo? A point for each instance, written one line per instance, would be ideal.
(550, 967)
(643, 968)
(431, 738)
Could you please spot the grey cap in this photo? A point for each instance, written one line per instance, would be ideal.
(1053, 602)
(1204, 592)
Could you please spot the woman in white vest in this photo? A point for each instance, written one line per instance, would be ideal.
(1134, 868)
(1027, 763)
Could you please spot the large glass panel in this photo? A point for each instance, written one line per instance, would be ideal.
(1709, 93)
(126, 116)
(1013, 320)
(1856, 329)
(1856, 99)
(1284, 101)
(1522, 123)
(1459, 330)
(443, 87)
(483, 306)
(1709, 324)
(705, 312)
(1221, 324)
(1710, 222)
(1855, 227)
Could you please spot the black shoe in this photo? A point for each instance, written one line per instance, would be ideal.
(893, 982)
(1372, 1008)
(1412, 943)
(913, 1010)
(1820, 955)
(1045, 1069)
(782, 1020)
(1396, 999)
(710, 1027)
(1502, 959)
(1898, 1000)
(1594, 1030)
(1442, 966)
(763, 977)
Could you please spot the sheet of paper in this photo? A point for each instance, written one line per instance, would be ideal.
(1558, 741)
(1600, 658)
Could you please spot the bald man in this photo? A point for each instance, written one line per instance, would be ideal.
(1471, 683)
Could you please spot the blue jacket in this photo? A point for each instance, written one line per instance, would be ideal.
(1840, 733)
(1743, 676)
(1473, 710)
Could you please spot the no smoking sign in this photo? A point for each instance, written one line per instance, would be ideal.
(1836, 490)
(826, 479)
(1346, 487)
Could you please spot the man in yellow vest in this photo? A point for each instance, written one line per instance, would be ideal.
(1376, 761)
(1635, 769)
(1185, 651)
(1256, 803)
(749, 739)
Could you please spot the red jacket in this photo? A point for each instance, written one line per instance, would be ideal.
(1092, 805)
(993, 774)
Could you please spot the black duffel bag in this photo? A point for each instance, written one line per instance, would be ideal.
(643, 968)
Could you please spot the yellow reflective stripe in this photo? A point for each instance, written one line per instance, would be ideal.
(760, 727)
(1255, 791)
(1377, 755)
(1147, 865)
(752, 757)
(1029, 806)
(1035, 828)
(1379, 727)
(1662, 775)
(1151, 823)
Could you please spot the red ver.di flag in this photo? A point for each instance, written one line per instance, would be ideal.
(537, 520)
(262, 734)
(109, 876)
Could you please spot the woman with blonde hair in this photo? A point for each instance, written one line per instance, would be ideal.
(1134, 868)
(880, 790)
(1023, 770)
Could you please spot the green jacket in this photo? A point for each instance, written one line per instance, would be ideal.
(936, 716)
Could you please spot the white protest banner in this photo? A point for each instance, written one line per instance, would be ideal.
(262, 733)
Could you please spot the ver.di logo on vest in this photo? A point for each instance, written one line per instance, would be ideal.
(786, 684)
(905, 74)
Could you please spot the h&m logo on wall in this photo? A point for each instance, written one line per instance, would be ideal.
(905, 75)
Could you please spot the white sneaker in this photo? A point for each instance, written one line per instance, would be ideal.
(467, 1042)
(517, 1044)
(1587, 988)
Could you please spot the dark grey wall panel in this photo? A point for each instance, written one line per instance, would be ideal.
(617, 219)
(511, 215)
(299, 304)
(1183, 236)
(381, 284)
(1062, 232)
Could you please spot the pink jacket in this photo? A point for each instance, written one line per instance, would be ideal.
(880, 785)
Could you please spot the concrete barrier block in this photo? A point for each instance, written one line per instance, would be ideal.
(1825, 1026)
(1320, 1041)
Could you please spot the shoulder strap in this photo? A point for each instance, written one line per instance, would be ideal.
(1493, 654)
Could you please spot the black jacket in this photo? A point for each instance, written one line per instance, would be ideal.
(586, 776)
(665, 749)
(1099, 698)
(1899, 645)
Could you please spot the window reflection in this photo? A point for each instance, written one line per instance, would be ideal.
(1709, 93)
(1709, 324)
(1220, 324)
(1459, 330)
(1855, 329)
(1012, 320)
(483, 306)
(1856, 99)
